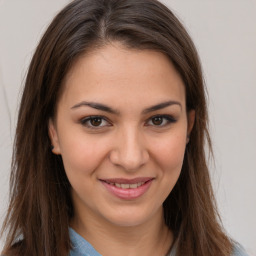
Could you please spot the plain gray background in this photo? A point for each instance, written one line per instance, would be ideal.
(224, 32)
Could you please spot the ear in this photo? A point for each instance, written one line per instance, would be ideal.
(191, 120)
(54, 137)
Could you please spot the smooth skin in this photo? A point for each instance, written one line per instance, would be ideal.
(122, 114)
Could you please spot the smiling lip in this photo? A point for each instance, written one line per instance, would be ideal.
(127, 188)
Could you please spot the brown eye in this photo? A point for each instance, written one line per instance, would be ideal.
(161, 120)
(158, 120)
(96, 121)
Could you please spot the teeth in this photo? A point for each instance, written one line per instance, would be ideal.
(133, 185)
(127, 186)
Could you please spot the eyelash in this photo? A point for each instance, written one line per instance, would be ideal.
(166, 119)
(86, 122)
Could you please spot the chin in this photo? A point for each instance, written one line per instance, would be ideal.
(131, 218)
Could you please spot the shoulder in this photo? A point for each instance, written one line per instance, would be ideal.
(238, 250)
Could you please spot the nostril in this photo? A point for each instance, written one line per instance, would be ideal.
(129, 160)
(130, 151)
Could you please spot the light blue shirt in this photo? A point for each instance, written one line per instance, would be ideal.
(80, 246)
(83, 248)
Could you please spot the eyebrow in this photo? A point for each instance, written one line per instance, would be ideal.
(108, 109)
(161, 106)
(96, 105)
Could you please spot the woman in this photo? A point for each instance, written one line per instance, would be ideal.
(109, 153)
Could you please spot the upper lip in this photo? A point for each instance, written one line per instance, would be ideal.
(127, 181)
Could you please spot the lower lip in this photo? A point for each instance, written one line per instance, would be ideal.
(130, 193)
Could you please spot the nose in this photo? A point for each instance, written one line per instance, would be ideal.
(130, 151)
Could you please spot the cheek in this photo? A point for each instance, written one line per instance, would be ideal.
(169, 157)
(169, 152)
(82, 154)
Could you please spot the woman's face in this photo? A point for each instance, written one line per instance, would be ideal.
(121, 128)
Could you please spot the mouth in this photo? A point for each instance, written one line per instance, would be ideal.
(127, 188)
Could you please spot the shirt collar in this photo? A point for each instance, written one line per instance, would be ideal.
(81, 247)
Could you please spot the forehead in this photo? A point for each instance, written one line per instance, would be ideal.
(114, 70)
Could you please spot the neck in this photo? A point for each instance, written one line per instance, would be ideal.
(150, 238)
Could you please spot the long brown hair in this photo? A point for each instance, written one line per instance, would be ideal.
(41, 207)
